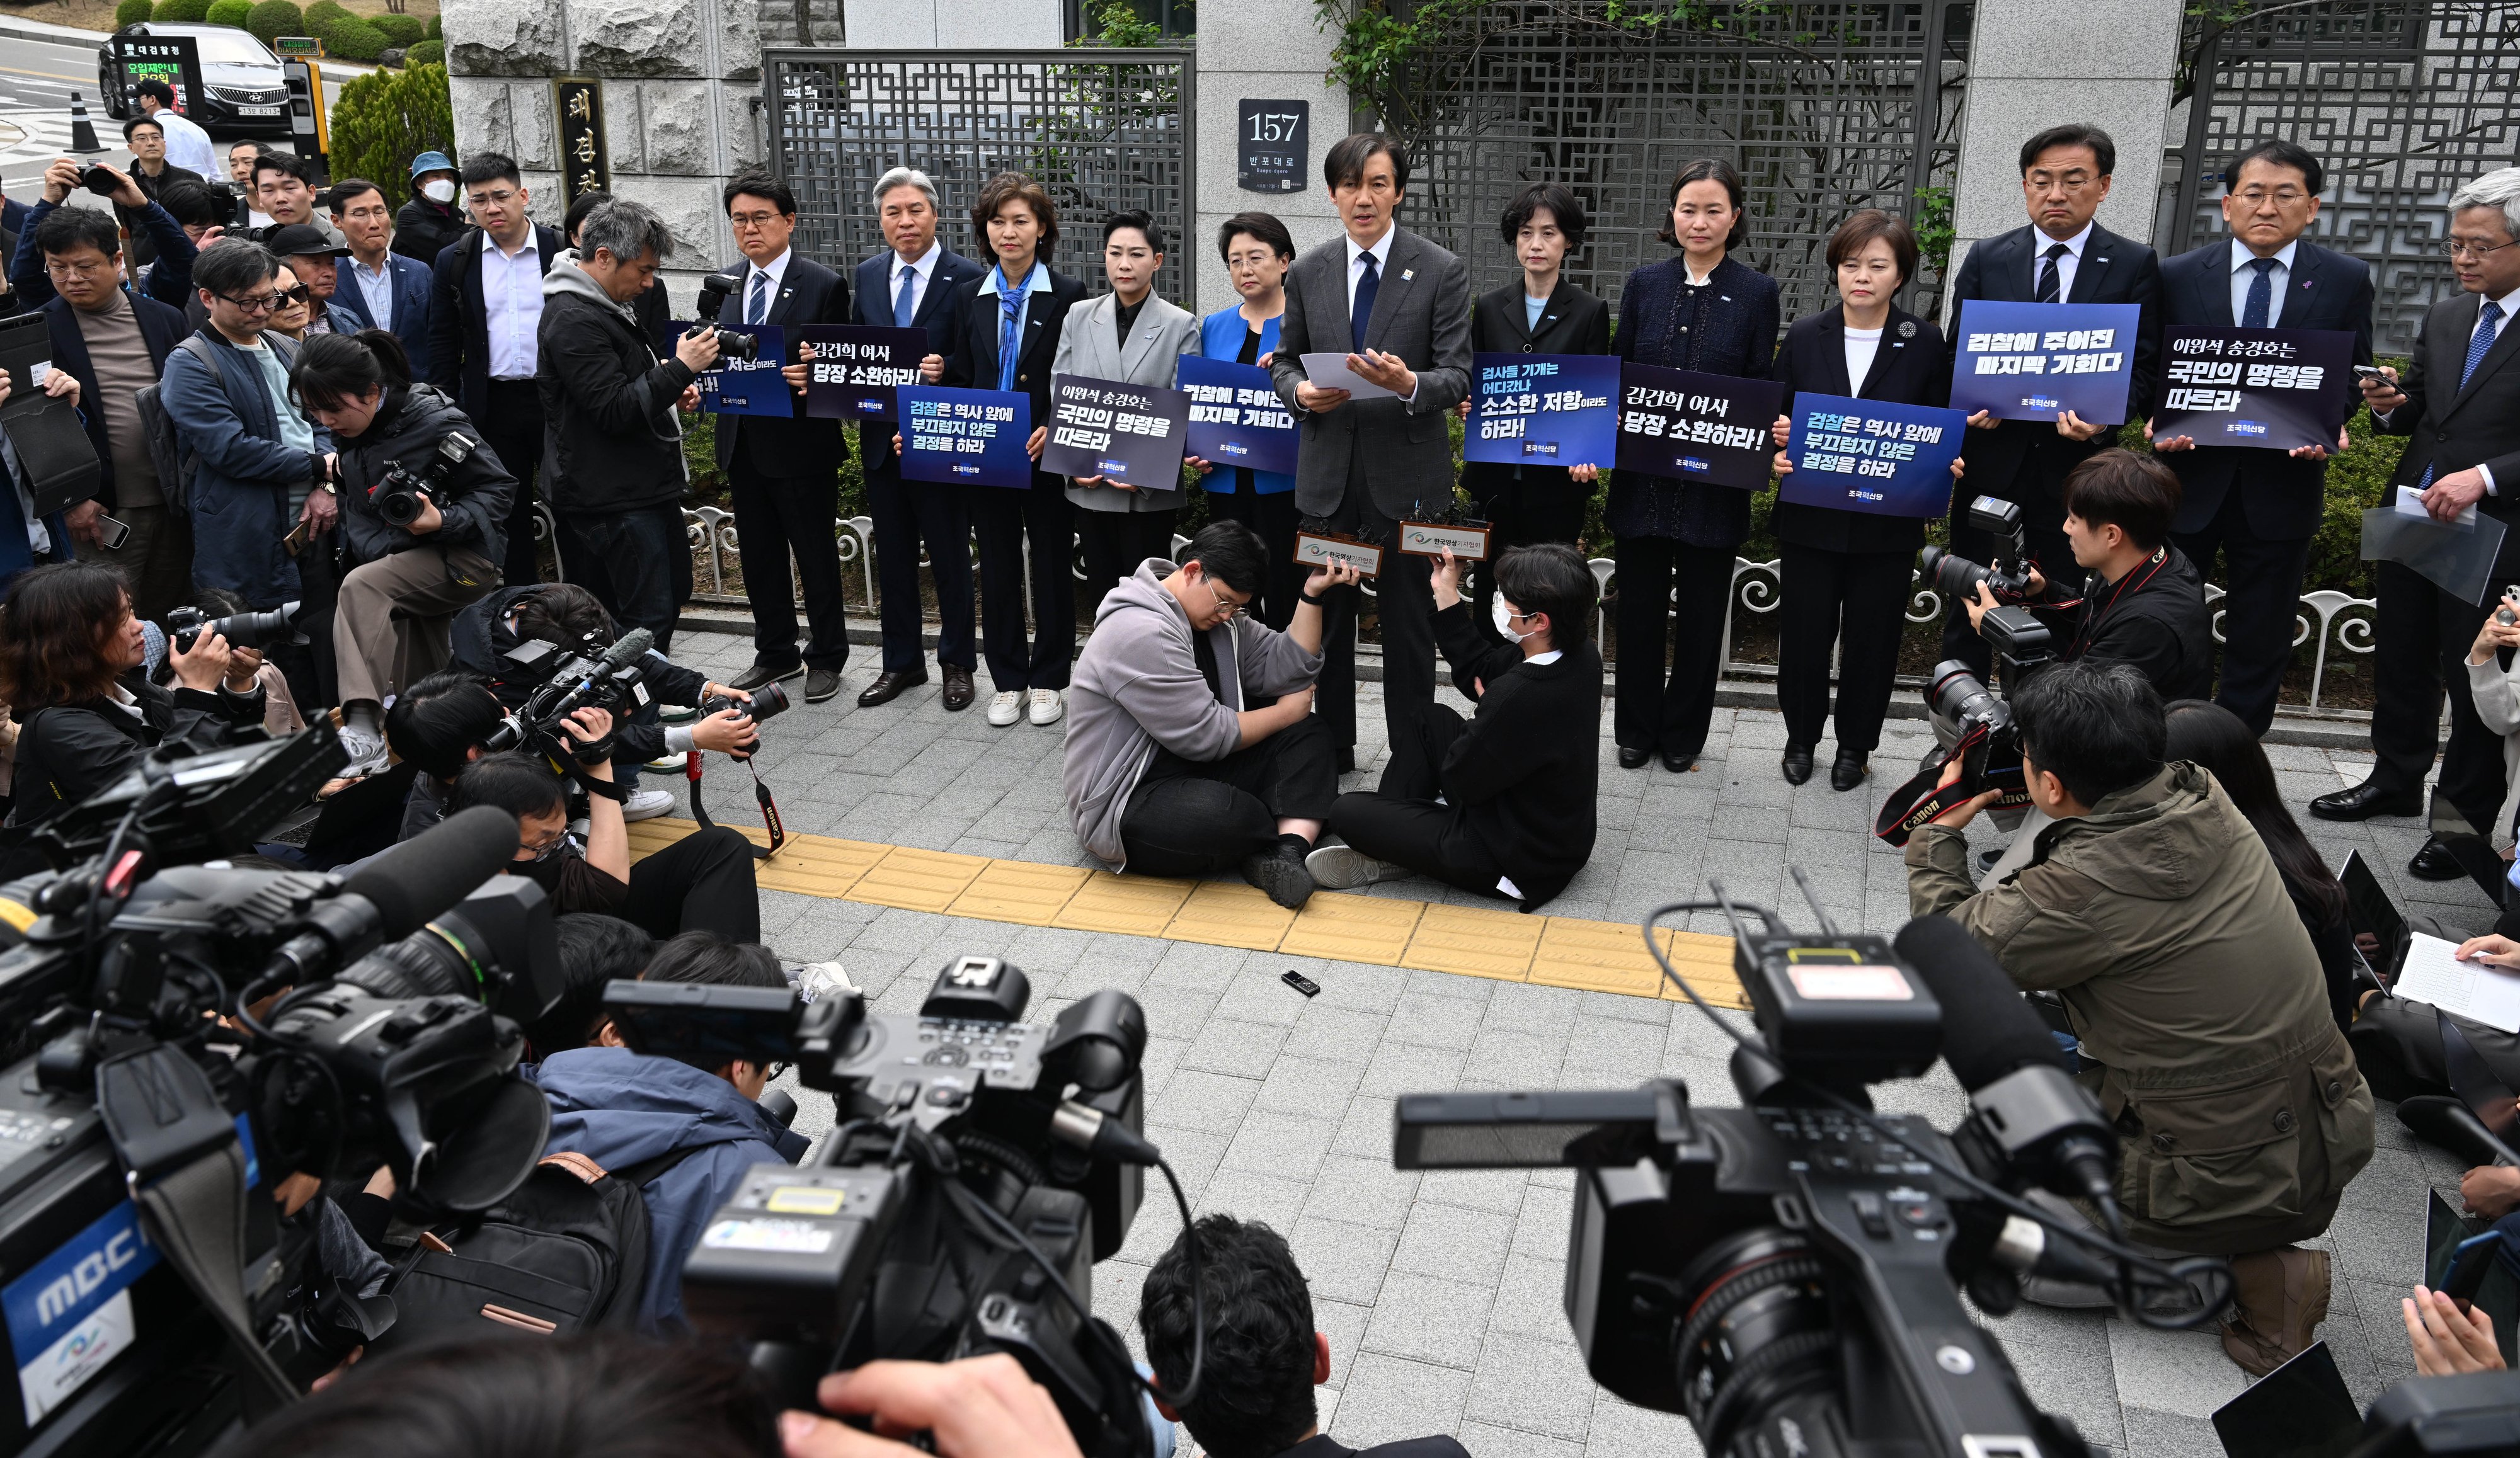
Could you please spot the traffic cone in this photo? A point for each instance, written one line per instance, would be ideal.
(82, 130)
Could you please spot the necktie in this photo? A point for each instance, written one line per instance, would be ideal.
(2487, 321)
(2049, 290)
(2262, 295)
(1360, 313)
(756, 306)
(903, 306)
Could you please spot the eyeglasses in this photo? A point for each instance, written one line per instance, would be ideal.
(260, 304)
(76, 270)
(297, 295)
(2454, 247)
(543, 845)
(1223, 606)
(745, 222)
(2280, 197)
(490, 199)
(2072, 182)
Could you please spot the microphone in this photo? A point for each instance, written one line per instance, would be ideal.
(431, 872)
(629, 649)
(2026, 1110)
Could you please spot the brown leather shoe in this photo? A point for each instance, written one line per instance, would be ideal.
(888, 685)
(2278, 1300)
(958, 686)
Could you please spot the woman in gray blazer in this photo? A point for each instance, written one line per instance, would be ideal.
(1132, 336)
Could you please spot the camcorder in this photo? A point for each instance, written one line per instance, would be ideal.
(715, 291)
(402, 496)
(242, 630)
(586, 674)
(187, 1038)
(981, 1165)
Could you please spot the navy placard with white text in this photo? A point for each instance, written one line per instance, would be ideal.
(1698, 428)
(1871, 455)
(1543, 409)
(856, 368)
(2275, 389)
(969, 437)
(1127, 435)
(2034, 362)
(1235, 416)
(748, 387)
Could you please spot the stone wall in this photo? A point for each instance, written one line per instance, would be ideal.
(681, 101)
(1265, 50)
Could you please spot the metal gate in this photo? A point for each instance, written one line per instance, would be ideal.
(2401, 100)
(1104, 130)
(1826, 108)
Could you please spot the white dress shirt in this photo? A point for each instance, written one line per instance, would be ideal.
(2066, 265)
(511, 300)
(187, 145)
(777, 272)
(1381, 252)
(2244, 277)
(376, 289)
(921, 271)
(1861, 346)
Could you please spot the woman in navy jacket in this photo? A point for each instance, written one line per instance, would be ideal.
(1707, 312)
(1257, 251)
(1846, 573)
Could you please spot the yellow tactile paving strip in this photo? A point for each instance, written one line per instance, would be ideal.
(1563, 951)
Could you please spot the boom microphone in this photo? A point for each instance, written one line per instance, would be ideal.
(431, 872)
(629, 649)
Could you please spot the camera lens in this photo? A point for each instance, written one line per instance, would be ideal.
(399, 508)
(1959, 692)
(734, 346)
(1758, 1331)
(1956, 578)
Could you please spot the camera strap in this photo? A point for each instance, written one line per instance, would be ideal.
(1924, 799)
(760, 795)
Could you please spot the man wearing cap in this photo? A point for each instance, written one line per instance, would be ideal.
(316, 261)
(187, 145)
(430, 222)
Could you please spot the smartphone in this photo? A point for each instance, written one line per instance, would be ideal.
(1302, 984)
(111, 533)
(297, 540)
(2469, 1266)
(2370, 372)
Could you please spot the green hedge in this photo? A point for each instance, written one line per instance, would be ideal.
(436, 27)
(130, 13)
(230, 13)
(187, 11)
(401, 30)
(430, 52)
(271, 19)
(382, 121)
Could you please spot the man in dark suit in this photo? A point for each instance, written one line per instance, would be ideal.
(2458, 407)
(376, 286)
(2258, 508)
(1398, 308)
(913, 285)
(2061, 256)
(482, 318)
(784, 475)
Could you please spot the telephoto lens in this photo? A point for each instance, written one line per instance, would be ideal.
(767, 700)
(1956, 578)
(734, 346)
(1959, 694)
(96, 179)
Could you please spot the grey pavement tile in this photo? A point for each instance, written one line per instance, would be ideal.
(1242, 1049)
(2155, 1434)
(1193, 1154)
(1309, 1087)
(1280, 1144)
(1429, 1318)
(1249, 1195)
(1520, 1060)
(1354, 985)
(1612, 1051)
(1540, 1226)
(1438, 1020)
(1343, 1033)
(1343, 1322)
(1365, 1131)
(1488, 1440)
(1450, 985)
(1524, 1008)
(1535, 1384)
(1496, 1191)
(1179, 1011)
(1622, 1429)
(1388, 1398)
(1195, 1098)
(1363, 1191)
(1255, 994)
(1457, 1244)
(1531, 1298)
(2082, 1387)
(2182, 1373)
(1341, 1261)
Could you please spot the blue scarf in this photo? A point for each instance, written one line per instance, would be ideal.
(1011, 304)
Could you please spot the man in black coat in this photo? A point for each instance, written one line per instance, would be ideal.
(2458, 406)
(2060, 256)
(785, 474)
(484, 320)
(2260, 508)
(916, 283)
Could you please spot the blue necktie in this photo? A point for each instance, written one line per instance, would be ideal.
(2476, 345)
(757, 306)
(2262, 295)
(901, 306)
(1360, 313)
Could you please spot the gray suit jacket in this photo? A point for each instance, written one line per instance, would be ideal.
(1089, 344)
(1421, 313)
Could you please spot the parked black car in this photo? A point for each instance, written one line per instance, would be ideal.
(247, 96)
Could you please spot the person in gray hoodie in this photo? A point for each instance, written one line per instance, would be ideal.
(1192, 744)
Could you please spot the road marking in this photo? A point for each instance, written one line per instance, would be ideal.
(49, 75)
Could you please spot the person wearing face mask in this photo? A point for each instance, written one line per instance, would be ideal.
(1257, 249)
(430, 222)
(1193, 746)
(1500, 804)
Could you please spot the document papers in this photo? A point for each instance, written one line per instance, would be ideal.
(2434, 974)
(1330, 371)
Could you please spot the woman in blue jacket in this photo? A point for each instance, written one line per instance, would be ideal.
(1257, 249)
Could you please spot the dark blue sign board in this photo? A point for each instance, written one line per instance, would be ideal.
(2034, 362)
(2274, 389)
(1235, 416)
(857, 367)
(1871, 455)
(968, 438)
(1543, 409)
(1690, 427)
(1127, 435)
(748, 387)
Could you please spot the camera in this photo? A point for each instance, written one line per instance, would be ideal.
(768, 700)
(714, 291)
(2504, 614)
(99, 179)
(1957, 578)
(401, 496)
(585, 676)
(981, 1165)
(244, 630)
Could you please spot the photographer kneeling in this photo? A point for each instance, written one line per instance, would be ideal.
(71, 657)
(406, 578)
(2240, 1113)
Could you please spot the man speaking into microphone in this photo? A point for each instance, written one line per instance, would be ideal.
(2155, 914)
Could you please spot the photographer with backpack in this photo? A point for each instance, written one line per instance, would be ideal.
(403, 580)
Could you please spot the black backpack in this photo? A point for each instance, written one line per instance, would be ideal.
(566, 1253)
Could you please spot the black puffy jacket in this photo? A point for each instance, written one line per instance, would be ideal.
(67, 752)
(407, 428)
(613, 443)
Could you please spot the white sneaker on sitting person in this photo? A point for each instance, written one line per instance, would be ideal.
(646, 805)
(815, 981)
(366, 748)
(1006, 708)
(1047, 705)
(1345, 868)
(669, 764)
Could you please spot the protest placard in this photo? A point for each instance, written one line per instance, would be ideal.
(2034, 362)
(856, 369)
(971, 437)
(2274, 389)
(1236, 417)
(1871, 455)
(746, 387)
(1698, 428)
(1543, 409)
(1127, 435)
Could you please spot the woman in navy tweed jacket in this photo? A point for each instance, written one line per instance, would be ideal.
(1706, 312)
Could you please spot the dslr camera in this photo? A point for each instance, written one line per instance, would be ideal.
(99, 179)
(715, 291)
(1957, 578)
(402, 496)
(981, 1165)
(243, 629)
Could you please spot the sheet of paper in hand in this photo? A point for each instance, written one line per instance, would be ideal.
(1871, 455)
(1698, 428)
(856, 369)
(1128, 434)
(2275, 389)
(1236, 417)
(1543, 409)
(1315, 549)
(748, 387)
(2034, 362)
(970, 437)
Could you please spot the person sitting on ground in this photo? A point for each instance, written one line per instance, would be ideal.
(2240, 1112)
(619, 1108)
(440, 723)
(1264, 1356)
(2449, 1337)
(593, 951)
(1501, 805)
(1192, 744)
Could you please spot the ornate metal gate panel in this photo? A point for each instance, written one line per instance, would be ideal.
(1104, 130)
(2401, 100)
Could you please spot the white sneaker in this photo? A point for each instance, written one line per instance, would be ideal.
(367, 750)
(1006, 708)
(1048, 704)
(646, 805)
(815, 981)
(1345, 868)
(671, 764)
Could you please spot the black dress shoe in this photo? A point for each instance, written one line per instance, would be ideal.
(1848, 771)
(1347, 760)
(822, 684)
(1677, 762)
(2435, 862)
(959, 691)
(889, 685)
(752, 680)
(1634, 758)
(1797, 763)
(2366, 800)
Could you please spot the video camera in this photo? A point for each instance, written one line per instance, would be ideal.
(243, 629)
(187, 1036)
(714, 291)
(589, 675)
(980, 1166)
(401, 496)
